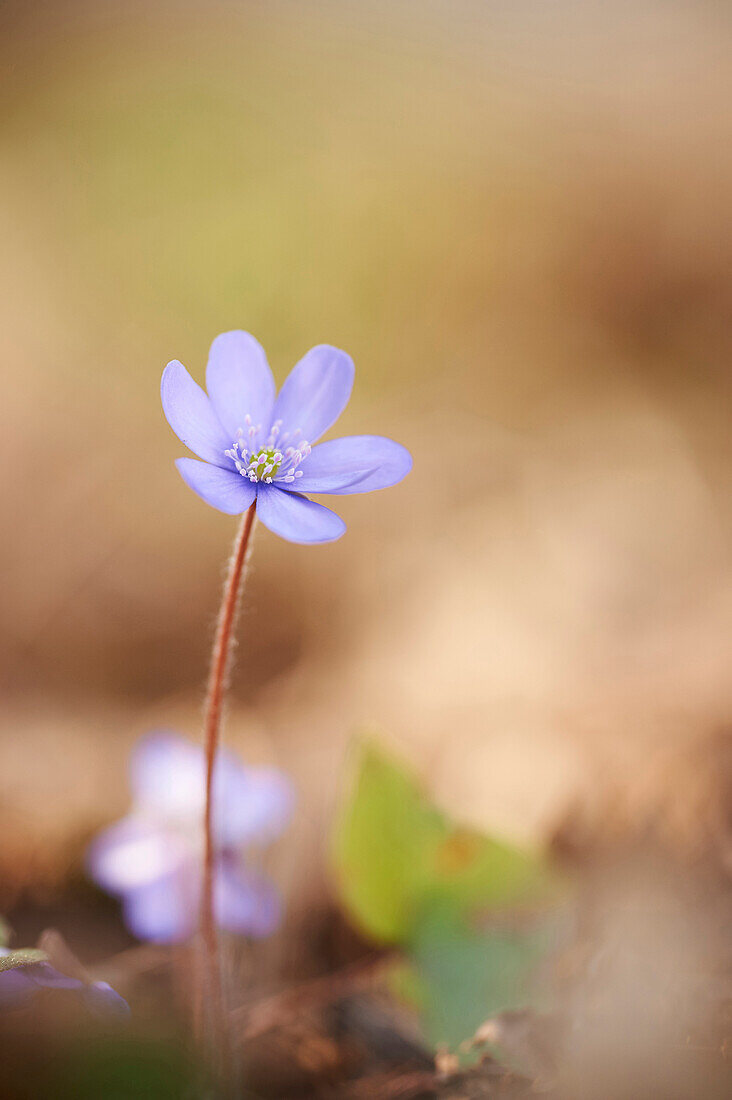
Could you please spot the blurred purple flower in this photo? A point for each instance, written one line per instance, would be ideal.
(20, 984)
(258, 446)
(153, 858)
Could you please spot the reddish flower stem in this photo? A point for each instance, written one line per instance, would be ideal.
(213, 992)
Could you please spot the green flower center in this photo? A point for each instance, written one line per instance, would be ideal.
(265, 465)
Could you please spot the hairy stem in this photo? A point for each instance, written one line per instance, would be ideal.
(212, 991)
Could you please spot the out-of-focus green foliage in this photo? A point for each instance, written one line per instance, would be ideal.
(468, 974)
(410, 877)
(396, 854)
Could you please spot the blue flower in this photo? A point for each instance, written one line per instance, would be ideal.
(153, 858)
(258, 447)
(19, 985)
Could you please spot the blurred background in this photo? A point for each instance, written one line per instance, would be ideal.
(515, 218)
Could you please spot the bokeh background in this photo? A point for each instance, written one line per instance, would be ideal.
(514, 216)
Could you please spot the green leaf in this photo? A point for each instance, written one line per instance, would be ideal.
(24, 956)
(466, 975)
(394, 850)
(383, 847)
(469, 868)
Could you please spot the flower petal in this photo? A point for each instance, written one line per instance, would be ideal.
(315, 393)
(191, 416)
(45, 975)
(132, 854)
(240, 383)
(253, 805)
(104, 1001)
(245, 902)
(16, 988)
(295, 518)
(166, 910)
(168, 780)
(168, 777)
(353, 464)
(223, 489)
